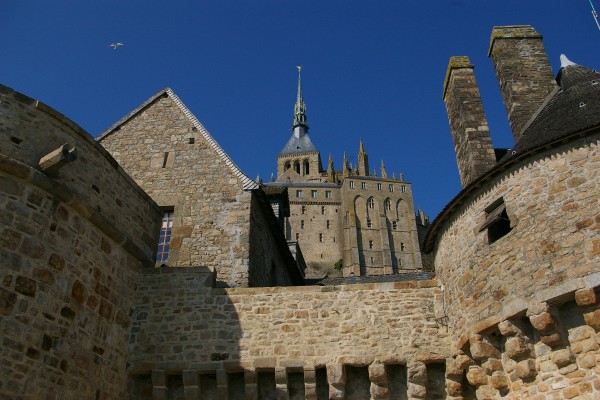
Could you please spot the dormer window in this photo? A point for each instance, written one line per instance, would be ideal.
(496, 222)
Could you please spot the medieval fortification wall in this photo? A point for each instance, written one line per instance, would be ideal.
(73, 237)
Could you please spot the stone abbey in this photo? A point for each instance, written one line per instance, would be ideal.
(364, 223)
(144, 264)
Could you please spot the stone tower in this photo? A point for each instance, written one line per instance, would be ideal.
(523, 72)
(470, 131)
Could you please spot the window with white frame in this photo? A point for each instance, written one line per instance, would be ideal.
(164, 238)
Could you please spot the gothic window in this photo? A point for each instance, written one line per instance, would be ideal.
(387, 204)
(313, 194)
(297, 167)
(287, 166)
(164, 238)
(371, 202)
(306, 167)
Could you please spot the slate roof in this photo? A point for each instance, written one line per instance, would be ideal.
(573, 107)
(303, 144)
(247, 182)
(570, 111)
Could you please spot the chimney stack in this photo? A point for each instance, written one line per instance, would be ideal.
(523, 71)
(470, 131)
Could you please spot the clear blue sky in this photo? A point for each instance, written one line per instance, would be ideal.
(372, 69)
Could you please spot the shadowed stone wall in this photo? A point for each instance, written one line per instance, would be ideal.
(71, 243)
(183, 324)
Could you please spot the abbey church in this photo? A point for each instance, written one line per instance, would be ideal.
(145, 264)
(350, 217)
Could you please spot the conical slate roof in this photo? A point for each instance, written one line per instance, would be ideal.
(573, 107)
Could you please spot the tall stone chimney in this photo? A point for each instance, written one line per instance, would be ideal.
(523, 71)
(470, 131)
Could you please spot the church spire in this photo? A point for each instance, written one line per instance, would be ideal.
(330, 170)
(363, 160)
(345, 167)
(299, 109)
(383, 171)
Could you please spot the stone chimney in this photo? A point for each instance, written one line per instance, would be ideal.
(470, 131)
(523, 71)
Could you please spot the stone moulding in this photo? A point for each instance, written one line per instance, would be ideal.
(30, 175)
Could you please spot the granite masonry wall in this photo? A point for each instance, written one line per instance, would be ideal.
(72, 237)
(275, 339)
(531, 275)
(174, 159)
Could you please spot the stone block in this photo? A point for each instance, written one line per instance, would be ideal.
(336, 374)
(593, 319)
(417, 374)
(508, 328)
(453, 388)
(562, 357)
(586, 297)
(377, 373)
(417, 391)
(463, 361)
(483, 351)
(477, 376)
(543, 322)
(587, 361)
(551, 340)
(516, 348)
(526, 369)
(499, 381)
(491, 365)
(379, 392)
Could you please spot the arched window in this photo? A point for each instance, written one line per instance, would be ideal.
(306, 167)
(287, 166)
(371, 202)
(387, 204)
(297, 167)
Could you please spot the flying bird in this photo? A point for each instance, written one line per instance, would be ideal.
(115, 45)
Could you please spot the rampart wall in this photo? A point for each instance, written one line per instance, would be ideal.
(70, 246)
(185, 331)
(529, 277)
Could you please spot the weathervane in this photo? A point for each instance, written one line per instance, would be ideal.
(595, 14)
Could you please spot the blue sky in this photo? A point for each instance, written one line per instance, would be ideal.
(372, 69)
